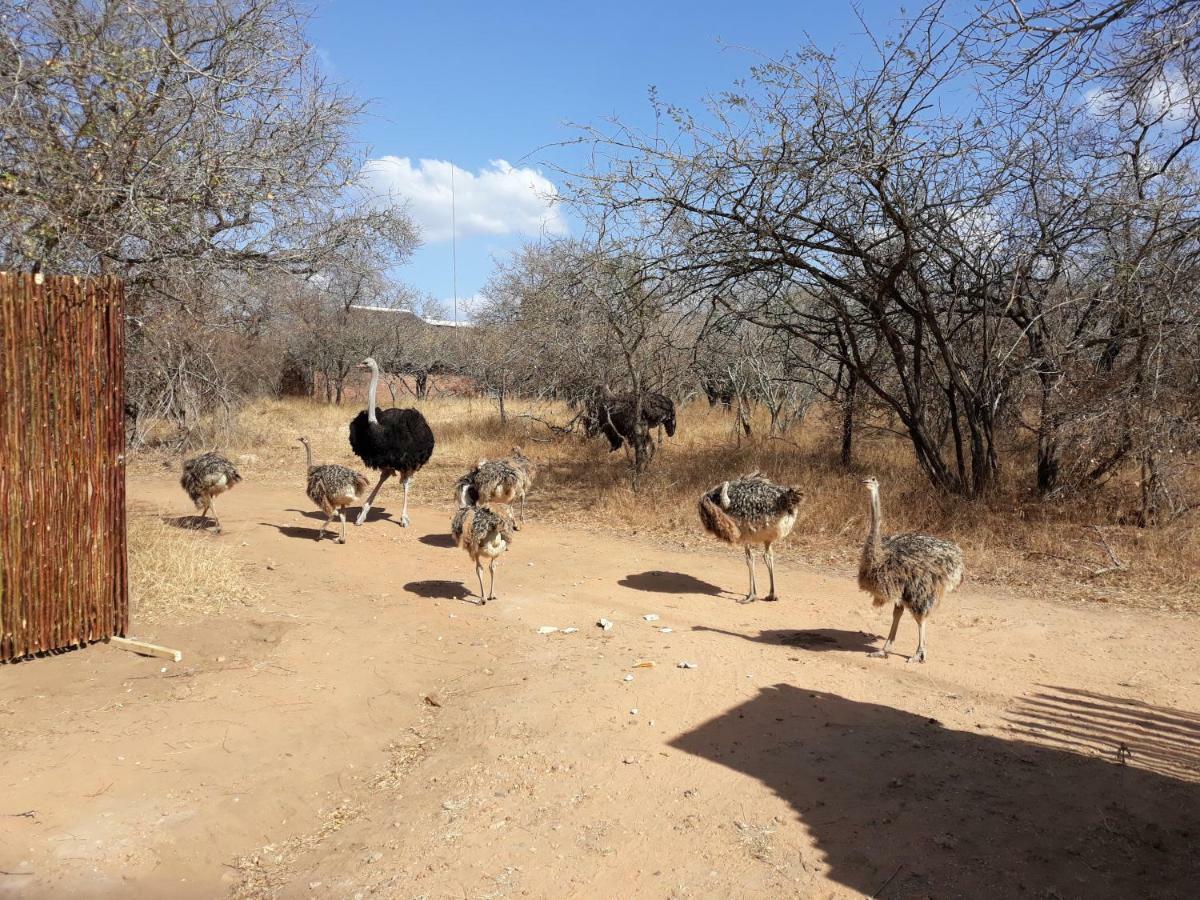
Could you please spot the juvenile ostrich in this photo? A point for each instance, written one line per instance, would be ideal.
(204, 477)
(751, 510)
(483, 533)
(498, 481)
(393, 441)
(333, 488)
(912, 571)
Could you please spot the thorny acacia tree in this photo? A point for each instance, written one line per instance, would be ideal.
(173, 142)
(945, 246)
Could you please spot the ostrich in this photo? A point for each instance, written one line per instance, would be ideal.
(394, 441)
(751, 510)
(204, 477)
(332, 488)
(613, 416)
(482, 532)
(498, 481)
(906, 570)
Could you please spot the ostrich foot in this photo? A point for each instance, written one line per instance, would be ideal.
(770, 598)
(919, 657)
(404, 521)
(749, 598)
(881, 653)
(483, 601)
(341, 540)
(362, 516)
(493, 597)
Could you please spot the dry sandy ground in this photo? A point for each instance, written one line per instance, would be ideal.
(1043, 751)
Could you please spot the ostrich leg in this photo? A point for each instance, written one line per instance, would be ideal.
(479, 575)
(213, 509)
(324, 525)
(897, 613)
(404, 512)
(753, 595)
(769, 556)
(342, 516)
(919, 656)
(492, 579)
(384, 475)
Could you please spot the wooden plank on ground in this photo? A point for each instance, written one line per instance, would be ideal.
(146, 649)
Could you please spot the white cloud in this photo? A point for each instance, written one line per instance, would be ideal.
(497, 200)
(1172, 98)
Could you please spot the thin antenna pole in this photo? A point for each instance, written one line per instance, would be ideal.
(453, 247)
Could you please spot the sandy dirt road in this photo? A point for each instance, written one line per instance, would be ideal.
(1044, 750)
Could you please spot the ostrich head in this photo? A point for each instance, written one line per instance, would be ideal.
(303, 440)
(369, 363)
(872, 484)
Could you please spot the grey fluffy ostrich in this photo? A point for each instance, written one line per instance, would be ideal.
(909, 571)
(392, 441)
(751, 510)
(333, 488)
(484, 534)
(497, 481)
(204, 477)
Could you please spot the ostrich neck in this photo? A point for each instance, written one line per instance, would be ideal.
(371, 396)
(874, 540)
(308, 454)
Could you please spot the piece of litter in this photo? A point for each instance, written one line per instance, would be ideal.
(633, 712)
(630, 760)
(163, 669)
(644, 664)
(605, 624)
(687, 665)
(629, 678)
(651, 617)
(569, 630)
(666, 630)
(547, 629)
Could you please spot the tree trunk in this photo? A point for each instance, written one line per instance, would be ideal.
(848, 398)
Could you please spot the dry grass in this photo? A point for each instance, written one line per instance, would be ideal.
(1011, 539)
(178, 574)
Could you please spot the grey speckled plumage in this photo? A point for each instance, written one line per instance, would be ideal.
(751, 510)
(204, 477)
(497, 481)
(332, 488)
(909, 571)
(484, 534)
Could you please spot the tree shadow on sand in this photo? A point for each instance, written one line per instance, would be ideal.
(440, 590)
(437, 540)
(810, 639)
(901, 806)
(670, 583)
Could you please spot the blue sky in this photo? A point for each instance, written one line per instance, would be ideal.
(473, 84)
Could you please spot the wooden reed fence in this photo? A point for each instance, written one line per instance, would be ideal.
(63, 579)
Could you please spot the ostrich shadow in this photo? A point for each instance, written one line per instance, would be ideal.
(297, 531)
(816, 639)
(189, 523)
(376, 513)
(670, 583)
(437, 589)
(961, 813)
(438, 540)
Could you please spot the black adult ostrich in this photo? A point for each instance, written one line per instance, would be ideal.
(613, 416)
(394, 441)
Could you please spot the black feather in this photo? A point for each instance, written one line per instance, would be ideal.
(401, 440)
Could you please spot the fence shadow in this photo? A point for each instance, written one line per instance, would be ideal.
(811, 639)
(670, 583)
(901, 806)
(1126, 731)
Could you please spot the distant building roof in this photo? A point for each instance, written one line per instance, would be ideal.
(437, 323)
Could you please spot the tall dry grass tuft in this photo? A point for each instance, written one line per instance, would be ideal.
(178, 574)
(1010, 538)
